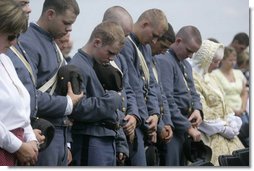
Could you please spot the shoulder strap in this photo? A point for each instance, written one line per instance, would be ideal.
(155, 72)
(48, 84)
(53, 80)
(115, 66)
(142, 62)
(182, 68)
(22, 58)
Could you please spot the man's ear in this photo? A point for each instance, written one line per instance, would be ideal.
(178, 40)
(97, 42)
(50, 14)
(145, 23)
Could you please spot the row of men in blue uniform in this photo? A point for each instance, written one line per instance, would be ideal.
(158, 101)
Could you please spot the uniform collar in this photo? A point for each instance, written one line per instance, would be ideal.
(172, 52)
(36, 27)
(87, 57)
(135, 39)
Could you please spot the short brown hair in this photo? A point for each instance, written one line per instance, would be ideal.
(169, 35)
(189, 33)
(60, 6)
(242, 38)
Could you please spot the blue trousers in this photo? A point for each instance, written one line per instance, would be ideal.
(56, 153)
(137, 155)
(171, 153)
(93, 151)
(244, 131)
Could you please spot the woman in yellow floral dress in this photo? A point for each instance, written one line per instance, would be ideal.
(234, 83)
(220, 126)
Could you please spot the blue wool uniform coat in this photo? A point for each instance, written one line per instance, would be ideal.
(130, 104)
(163, 103)
(180, 98)
(145, 94)
(129, 53)
(95, 108)
(178, 95)
(130, 96)
(39, 46)
(97, 105)
(25, 76)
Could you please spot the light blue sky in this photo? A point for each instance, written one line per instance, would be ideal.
(220, 19)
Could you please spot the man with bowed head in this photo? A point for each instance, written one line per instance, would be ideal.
(178, 86)
(38, 41)
(121, 16)
(93, 132)
(150, 26)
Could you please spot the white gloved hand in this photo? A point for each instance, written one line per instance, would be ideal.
(212, 127)
(228, 132)
(234, 122)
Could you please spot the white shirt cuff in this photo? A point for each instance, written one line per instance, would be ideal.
(69, 106)
(14, 144)
(69, 145)
(29, 134)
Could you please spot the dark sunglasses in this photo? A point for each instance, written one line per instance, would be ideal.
(12, 37)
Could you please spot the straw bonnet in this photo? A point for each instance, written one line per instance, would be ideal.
(204, 56)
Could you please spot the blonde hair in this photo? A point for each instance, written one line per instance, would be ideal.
(227, 51)
(156, 17)
(243, 58)
(109, 33)
(12, 17)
